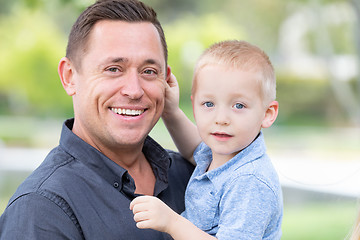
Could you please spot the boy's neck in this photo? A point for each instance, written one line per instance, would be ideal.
(220, 159)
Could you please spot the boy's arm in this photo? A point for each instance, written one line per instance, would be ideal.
(183, 131)
(151, 212)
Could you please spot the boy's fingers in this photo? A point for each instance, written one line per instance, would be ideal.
(140, 207)
(140, 216)
(142, 225)
(137, 200)
(172, 81)
(148, 223)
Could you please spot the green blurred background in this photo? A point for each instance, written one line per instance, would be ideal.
(313, 44)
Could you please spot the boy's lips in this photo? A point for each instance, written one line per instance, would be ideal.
(221, 135)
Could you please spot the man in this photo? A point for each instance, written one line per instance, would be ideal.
(116, 70)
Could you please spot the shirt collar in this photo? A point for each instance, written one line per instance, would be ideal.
(109, 170)
(203, 157)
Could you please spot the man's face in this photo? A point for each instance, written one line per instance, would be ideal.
(120, 87)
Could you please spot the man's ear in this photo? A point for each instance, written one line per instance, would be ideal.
(270, 114)
(168, 73)
(66, 73)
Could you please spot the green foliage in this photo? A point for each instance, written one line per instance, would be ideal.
(31, 47)
(188, 37)
(341, 36)
(33, 39)
(306, 102)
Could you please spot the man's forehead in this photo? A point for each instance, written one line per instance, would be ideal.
(121, 40)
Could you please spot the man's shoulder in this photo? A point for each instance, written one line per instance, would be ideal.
(173, 154)
(179, 166)
(177, 158)
(26, 215)
(36, 181)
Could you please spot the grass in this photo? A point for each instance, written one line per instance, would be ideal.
(305, 221)
(9, 181)
(309, 222)
(319, 221)
(3, 202)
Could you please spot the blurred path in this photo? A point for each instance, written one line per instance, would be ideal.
(335, 174)
(21, 159)
(339, 177)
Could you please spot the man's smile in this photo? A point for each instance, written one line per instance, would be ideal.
(127, 112)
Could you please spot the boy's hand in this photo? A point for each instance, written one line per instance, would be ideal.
(171, 96)
(151, 212)
(182, 130)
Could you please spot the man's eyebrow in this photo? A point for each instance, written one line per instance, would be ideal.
(153, 61)
(110, 60)
(150, 61)
(121, 59)
(118, 59)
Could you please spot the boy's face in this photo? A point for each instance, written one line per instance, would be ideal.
(228, 109)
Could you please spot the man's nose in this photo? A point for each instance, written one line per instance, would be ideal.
(131, 86)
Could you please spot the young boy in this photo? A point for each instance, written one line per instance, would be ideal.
(234, 192)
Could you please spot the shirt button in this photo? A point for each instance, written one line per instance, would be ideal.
(116, 184)
(127, 179)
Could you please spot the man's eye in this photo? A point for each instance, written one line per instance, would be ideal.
(149, 71)
(239, 106)
(208, 104)
(113, 69)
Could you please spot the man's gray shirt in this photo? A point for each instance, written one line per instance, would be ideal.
(79, 193)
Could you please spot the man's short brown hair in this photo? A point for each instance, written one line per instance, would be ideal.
(122, 10)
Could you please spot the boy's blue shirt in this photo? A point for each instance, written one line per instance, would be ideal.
(241, 199)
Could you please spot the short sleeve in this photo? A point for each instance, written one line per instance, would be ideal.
(246, 209)
(34, 216)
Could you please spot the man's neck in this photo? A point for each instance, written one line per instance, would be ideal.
(135, 162)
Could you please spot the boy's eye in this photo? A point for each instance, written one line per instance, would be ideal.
(239, 106)
(208, 104)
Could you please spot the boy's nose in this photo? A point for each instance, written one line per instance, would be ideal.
(222, 118)
(222, 122)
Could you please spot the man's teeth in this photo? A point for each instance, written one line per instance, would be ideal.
(129, 112)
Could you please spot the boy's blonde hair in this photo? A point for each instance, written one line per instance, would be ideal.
(244, 56)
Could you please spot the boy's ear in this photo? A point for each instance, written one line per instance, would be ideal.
(270, 114)
(66, 73)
